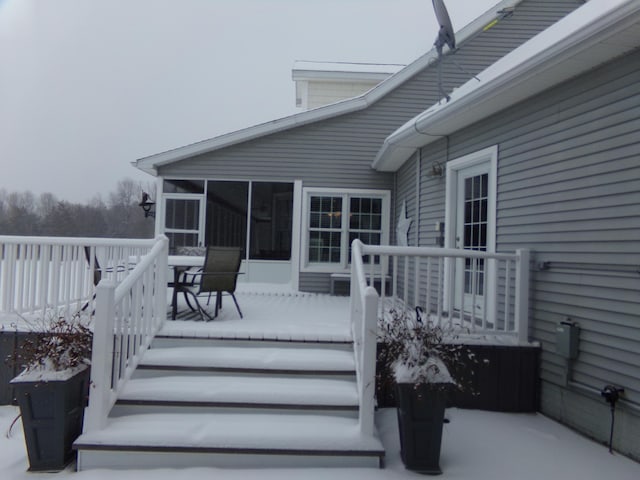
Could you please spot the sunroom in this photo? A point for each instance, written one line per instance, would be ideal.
(284, 229)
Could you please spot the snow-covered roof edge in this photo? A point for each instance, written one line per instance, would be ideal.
(151, 163)
(589, 36)
(308, 70)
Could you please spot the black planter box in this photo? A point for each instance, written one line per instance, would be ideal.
(52, 414)
(10, 342)
(420, 419)
(507, 382)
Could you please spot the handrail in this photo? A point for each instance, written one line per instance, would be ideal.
(128, 316)
(78, 241)
(485, 293)
(433, 252)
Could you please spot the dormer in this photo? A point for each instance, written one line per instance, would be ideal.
(322, 83)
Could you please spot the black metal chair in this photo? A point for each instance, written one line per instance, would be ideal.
(219, 275)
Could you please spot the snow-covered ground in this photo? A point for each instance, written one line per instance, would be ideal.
(476, 445)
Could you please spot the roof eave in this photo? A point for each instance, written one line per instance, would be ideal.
(602, 41)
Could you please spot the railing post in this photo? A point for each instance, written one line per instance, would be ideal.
(522, 295)
(101, 357)
(368, 363)
(161, 283)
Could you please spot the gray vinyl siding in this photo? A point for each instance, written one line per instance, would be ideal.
(314, 282)
(569, 190)
(338, 152)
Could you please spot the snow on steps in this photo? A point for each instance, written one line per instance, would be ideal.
(228, 440)
(252, 404)
(265, 392)
(314, 361)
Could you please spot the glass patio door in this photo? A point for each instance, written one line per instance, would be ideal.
(472, 223)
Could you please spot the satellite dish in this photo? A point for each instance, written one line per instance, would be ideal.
(445, 37)
(445, 34)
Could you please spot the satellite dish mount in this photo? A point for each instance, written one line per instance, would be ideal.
(445, 36)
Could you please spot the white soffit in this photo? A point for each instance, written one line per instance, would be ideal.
(590, 36)
(151, 163)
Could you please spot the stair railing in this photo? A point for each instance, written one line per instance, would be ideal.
(128, 316)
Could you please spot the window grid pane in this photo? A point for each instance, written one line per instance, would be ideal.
(325, 229)
(475, 231)
(365, 222)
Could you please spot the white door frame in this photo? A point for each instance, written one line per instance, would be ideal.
(488, 157)
(296, 232)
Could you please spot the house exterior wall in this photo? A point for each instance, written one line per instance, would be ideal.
(569, 190)
(338, 152)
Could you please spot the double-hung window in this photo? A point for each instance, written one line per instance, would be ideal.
(334, 218)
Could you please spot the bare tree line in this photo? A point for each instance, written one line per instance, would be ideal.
(117, 216)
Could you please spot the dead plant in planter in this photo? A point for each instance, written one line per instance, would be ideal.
(52, 390)
(415, 350)
(418, 357)
(55, 346)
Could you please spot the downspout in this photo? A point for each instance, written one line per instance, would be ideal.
(417, 196)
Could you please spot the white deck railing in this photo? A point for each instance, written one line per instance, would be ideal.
(128, 315)
(481, 293)
(57, 276)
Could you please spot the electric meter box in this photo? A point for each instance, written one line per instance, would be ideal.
(567, 335)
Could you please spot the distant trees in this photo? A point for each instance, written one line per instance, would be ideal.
(119, 217)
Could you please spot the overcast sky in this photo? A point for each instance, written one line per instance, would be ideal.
(88, 86)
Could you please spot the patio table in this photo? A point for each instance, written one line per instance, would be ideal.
(180, 264)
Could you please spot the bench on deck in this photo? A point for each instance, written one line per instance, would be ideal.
(346, 278)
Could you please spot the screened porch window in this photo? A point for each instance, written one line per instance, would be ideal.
(271, 221)
(226, 214)
(256, 216)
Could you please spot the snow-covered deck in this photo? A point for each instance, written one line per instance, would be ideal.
(270, 312)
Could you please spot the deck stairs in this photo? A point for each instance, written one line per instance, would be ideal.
(215, 402)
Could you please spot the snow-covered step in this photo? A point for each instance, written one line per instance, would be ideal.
(227, 440)
(227, 391)
(162, 341)
(274, 361)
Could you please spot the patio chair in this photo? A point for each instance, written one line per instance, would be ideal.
(219, 275)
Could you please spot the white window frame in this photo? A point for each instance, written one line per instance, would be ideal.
(185, 196)
(344, 266)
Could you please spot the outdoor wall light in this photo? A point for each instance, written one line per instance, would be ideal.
(147, 205)
(436, 169)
